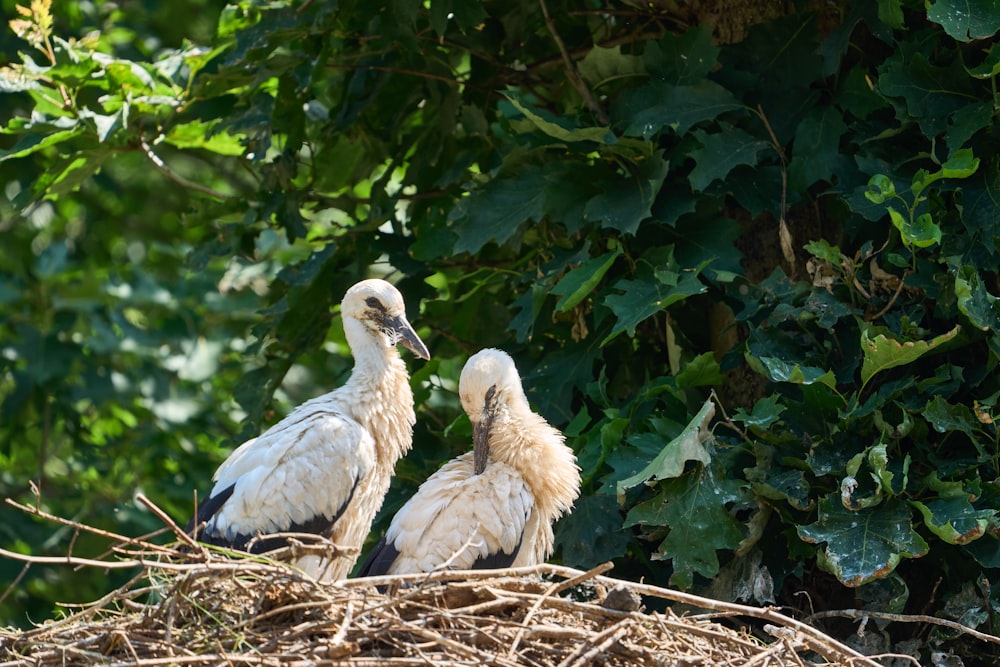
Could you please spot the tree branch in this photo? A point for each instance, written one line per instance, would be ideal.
(572, 72)
(174, 176)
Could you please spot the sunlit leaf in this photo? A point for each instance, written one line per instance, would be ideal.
(882, 353)
(669, 463)
(556, 127)
(577, 285)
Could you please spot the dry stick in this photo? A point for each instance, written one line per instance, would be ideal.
(571, 71)
(165, 518)
(17, 580)
(555, 589)
(583, 655)
(42, 514)
(814, 636)
(899, 290)
(784, 233)
(72, 560)
(859, 614)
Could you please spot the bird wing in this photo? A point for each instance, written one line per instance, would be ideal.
(458, 518)
(296, 477)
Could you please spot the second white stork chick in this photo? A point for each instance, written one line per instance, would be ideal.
(492, 507)
(325, 468)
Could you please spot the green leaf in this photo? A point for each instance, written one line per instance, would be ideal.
(931, 93)
(955, 520)
(922, 232)
(588, 535)
(821, 249)
(766, 411)
(880, 189)
(576, 285)
(627, 200)
(890, 12)
(66, 174)
(966, 122)
(495, 211)
(861, 546)
(32, 143)
(816, 153)
(785, 484)
(945, 417)
(975, 302)
(720, 152)
(669, 463)
(602, 65)
(960, 164)
(990, 66)
(966, 20)
(558, 128)
(696, 508)
(882, 353)
(199, 134)
(779, 370)
(682, 59)
(650, 109)
(702, 371)
(878, 459)
(640, 299)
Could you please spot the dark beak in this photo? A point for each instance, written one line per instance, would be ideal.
(408, 337)
(481, 433)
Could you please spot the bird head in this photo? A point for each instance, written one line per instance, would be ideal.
(379, 307)
(488, 384)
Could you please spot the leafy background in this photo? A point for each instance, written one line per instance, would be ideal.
(745, 255)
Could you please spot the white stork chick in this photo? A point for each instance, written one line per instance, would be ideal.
(492, 507)
(325, 468)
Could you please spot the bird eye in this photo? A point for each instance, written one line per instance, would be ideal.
(374, 303)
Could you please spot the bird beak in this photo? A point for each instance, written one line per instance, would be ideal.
(481, 433)
(408, 337)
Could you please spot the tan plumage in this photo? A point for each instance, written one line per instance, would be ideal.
(325, 468)
(494, 506)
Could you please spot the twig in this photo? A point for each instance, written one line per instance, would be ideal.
(571, 71)
(816, 638)
(584, 655)
(858, 614)
(175, 177)
(899, 290)
(17, 580)
(555, 589)
(165, 518)
(784, 233)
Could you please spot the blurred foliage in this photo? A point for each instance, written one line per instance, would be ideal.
(751, 271)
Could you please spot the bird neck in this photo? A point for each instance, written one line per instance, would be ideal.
(381, 399)
(526, 442)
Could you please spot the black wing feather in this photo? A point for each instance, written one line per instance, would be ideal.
(498, 560)
(379, 560)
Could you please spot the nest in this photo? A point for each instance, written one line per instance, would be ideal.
(195, 607)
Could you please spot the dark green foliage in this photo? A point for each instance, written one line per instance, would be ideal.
(805, 221)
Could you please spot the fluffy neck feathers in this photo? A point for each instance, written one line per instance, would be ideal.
(525, 441)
